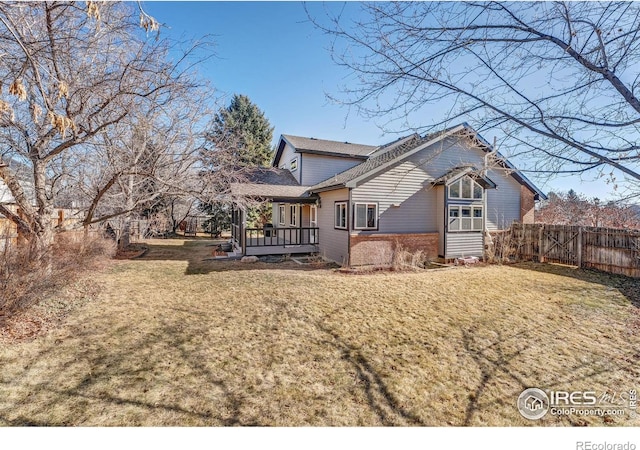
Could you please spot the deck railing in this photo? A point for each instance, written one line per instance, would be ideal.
(280, 237)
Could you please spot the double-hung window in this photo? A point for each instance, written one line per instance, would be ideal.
(282, 219)
(293, 165)
(365, 216)
(340, 215)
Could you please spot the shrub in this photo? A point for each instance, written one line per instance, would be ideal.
(24, 281)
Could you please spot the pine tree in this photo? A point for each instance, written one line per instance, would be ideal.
(243, 127)
(240, 137)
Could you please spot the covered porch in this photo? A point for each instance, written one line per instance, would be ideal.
(277, 239)
(294, 217)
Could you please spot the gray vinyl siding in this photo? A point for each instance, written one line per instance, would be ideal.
(464, 244)
(333, 243)
(401, 185)
(440, 217)
(406, 200)
(503, 203)
(288, 153)
(421, 207)
(317, 168)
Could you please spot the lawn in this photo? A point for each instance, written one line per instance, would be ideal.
(173, 339)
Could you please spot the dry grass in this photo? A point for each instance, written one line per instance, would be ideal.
(34, 295)
(175, 340)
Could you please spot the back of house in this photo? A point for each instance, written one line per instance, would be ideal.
(442, 194)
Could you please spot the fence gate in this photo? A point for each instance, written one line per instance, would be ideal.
(560, 244)
(608, 249)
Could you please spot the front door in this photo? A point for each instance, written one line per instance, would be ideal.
(313, 223)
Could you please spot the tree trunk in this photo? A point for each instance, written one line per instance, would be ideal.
(125, 234)
(43, 235)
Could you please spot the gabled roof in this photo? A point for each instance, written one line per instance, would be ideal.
(393, 144)
(458, 172)
(390, 154)
(268, 182)
(515, 173)
(387, 155)
(269, 175)
(323, 147)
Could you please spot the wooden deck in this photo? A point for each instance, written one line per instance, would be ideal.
(281, 250)
(278, 241)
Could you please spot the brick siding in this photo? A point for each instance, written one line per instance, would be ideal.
(378, 249)
(527, 205)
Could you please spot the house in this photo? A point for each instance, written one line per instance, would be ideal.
(355, 204)
(61, 218)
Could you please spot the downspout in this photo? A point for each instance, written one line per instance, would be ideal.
(348, 212)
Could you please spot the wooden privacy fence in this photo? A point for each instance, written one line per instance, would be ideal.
(608, 249)
(8, 233)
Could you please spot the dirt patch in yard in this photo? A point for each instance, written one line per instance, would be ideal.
(132, 251)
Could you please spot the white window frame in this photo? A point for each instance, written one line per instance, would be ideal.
(470, 220)
(293, 164)
(294, 213)
(458, 182)
(340, 212)
(355, 215)
(282, 218)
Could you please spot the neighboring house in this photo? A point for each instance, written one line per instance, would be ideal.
(5, 195)
(62, 218)
(354, 204)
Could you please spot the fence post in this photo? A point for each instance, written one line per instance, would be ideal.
(541, 243)
(579, 249)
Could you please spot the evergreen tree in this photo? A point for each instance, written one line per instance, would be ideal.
(240, 137)
(243, 128)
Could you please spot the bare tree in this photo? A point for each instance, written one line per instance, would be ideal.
(571, 208)
(76, 72)
(151, 164)
(559, 79)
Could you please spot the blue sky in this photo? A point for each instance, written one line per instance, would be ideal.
(272, 53)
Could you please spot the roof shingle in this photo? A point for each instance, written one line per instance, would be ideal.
(304, 144)
(268, 182)
(383, 155)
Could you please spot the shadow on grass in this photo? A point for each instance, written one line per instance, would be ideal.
(629, 287)
(199, 254)
(379, 397)
(489, 365)
(126, 382)
(500, 361)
